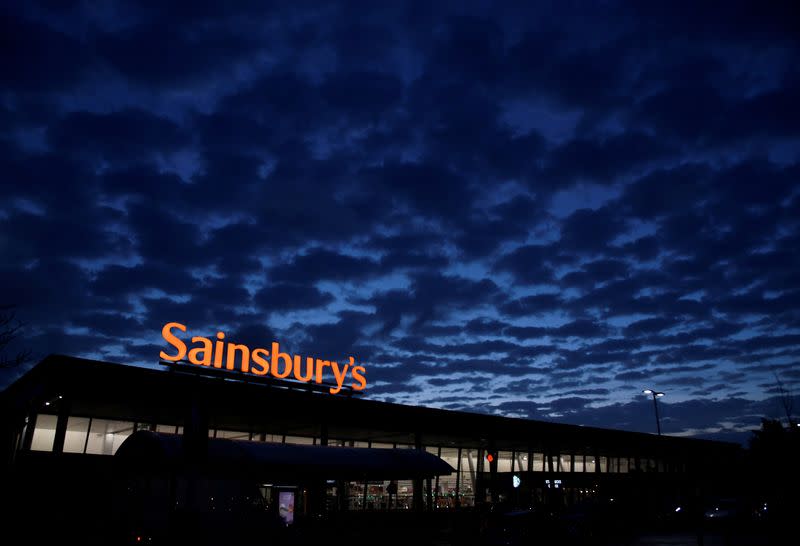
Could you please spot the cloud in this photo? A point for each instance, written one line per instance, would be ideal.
(476, 206)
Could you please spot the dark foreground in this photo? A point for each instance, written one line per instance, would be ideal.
(508, 529)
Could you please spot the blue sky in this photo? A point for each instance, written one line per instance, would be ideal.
(534, 209)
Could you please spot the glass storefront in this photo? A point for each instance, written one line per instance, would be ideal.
(456, 490)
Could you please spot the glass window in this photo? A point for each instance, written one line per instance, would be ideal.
(446, 491)
(538, 462)
(355, 495)
(360, 444)
(623, 465)
(381, 445)
(378, 496)
(612, 464)
(504, 461)
(169, 429)
(106, 436)
(274, 438)
(591, 463)
(75, 438)
(44, 432)
(232, 434)
(603, 463)
(469, 467)
(578, 463)
(520, 461)
(564, 463)
(298, 440)
(405, 494)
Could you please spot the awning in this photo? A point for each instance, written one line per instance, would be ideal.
(264, 460)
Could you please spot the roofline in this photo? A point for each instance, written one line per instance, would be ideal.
(43, 368)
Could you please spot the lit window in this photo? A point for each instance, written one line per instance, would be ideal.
(504, 461)
(168, 429)
(538, 462)
(297, 440)
(44, 433)
(106, 436)
(75, 438)
(233, 434)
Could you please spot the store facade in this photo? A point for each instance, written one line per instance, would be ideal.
(69, 415)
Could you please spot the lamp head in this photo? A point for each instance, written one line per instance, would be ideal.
(647, 391)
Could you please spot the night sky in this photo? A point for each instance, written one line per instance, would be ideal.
(532, 210)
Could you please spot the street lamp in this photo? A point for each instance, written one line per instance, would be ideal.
(656, 395)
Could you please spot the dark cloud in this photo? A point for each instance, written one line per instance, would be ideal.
(588, 230)
(38, 57)
(532, 305)
(163, 49)
(116, 137)
(285, 296)
(529, 264)
(604, 160)
(320, 264)
(479, 208)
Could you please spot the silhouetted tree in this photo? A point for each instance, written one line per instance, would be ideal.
(10, 328)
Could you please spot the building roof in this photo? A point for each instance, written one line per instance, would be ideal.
(241, 458)
(238, 402)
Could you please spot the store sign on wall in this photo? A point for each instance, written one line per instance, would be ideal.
(260, 361)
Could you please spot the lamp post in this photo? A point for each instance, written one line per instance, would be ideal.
(656, 395)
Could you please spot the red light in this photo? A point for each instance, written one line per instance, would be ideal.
(138, 539)
(489, 457)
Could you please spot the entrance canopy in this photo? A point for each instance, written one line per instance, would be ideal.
(265, 460)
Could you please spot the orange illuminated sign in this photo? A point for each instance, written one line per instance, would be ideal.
(260, 361)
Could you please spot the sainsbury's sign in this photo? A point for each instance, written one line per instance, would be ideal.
(260, 361)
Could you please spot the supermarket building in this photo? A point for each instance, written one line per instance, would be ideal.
(70, 424)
